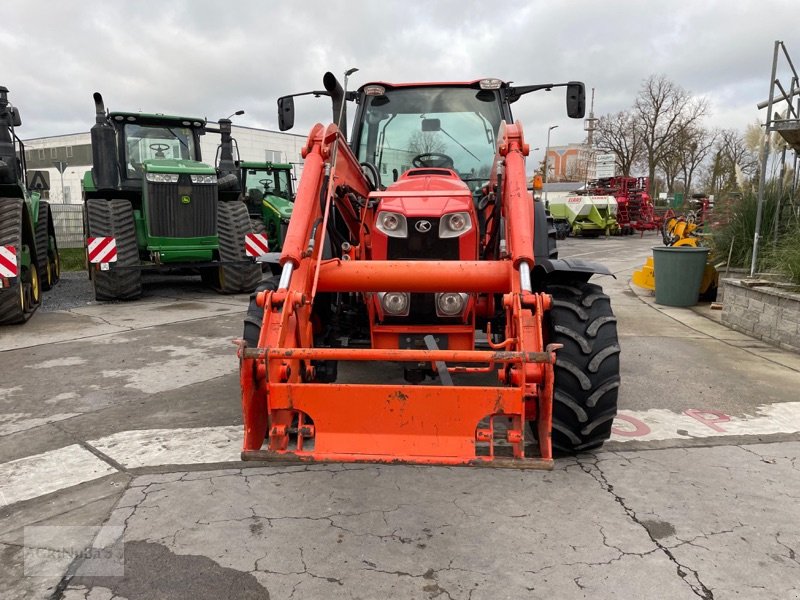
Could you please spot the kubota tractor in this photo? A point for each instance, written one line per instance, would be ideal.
(419, 244)
(29, 260)
(150, 203)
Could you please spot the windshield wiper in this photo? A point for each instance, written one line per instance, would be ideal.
(175, 135)
(459, 143)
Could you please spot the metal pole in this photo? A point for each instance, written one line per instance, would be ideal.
(546, 155)
(764, 158)
(63, 197)
(344, 92)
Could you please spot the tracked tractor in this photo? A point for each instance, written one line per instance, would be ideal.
(29, 261)
(268, 191)
(420, 315)
(150, 203)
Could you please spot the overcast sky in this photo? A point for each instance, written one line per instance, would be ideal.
(209, 58)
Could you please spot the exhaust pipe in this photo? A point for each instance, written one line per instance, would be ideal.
(99, 108)
(105, 170)
(334, 88)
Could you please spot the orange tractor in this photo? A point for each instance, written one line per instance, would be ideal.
(417, 252)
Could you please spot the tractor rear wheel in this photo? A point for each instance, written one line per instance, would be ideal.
(114, 218)
(46, 248)
(233, 222)
(587, 367)
(19, 301)
(255, 314)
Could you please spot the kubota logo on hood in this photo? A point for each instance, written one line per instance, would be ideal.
(422, 226)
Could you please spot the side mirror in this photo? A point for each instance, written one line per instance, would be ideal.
(576, 100)
(16, 120)
(431, 125)
(285, 113)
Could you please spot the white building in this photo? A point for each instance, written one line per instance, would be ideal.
(73, 153)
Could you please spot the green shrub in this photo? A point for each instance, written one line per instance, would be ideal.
(741, 226)
(785, 258)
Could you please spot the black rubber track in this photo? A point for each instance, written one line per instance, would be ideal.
(587, 367)
(46, 256)
(233, 222)
(115, 218)
(11, 307)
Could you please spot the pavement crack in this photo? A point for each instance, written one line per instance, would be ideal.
(591, 467)
(792, 555)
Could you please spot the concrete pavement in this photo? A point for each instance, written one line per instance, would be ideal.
(132, 417)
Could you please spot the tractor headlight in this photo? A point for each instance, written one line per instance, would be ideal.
(395, 304)
(203, 178)
(450, 304)
(454, 225)
(162, 177)
(392, 224)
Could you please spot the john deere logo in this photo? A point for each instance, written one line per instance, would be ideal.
(185, 199)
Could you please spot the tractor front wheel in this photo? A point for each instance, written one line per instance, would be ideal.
(233, 223)
(587, 367)
(18, 301)
(114, 218)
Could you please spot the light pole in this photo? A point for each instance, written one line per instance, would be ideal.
(236, 114)
(546, 153)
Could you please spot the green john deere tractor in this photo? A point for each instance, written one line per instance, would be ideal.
(267, 190)
(150, 203)
(28, 251)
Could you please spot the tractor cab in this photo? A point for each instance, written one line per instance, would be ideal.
(269, 195)
(162, 144)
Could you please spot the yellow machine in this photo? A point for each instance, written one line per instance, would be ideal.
(679, 231)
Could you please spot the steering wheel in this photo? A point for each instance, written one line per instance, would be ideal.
(159, 149)
(267, 183)
(433, 159)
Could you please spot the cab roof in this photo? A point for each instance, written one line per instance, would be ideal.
(470, 84)
(156, 119)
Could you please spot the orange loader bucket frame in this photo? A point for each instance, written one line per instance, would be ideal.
(289, 415)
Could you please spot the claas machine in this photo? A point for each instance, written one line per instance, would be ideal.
(150, 203)
(29, 261)
(418, 246)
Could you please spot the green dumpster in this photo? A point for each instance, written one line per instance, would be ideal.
(678, 273)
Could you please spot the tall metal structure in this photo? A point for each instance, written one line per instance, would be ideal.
(788, 127)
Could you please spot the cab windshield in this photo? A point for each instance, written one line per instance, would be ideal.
(268, 182)
(431, 127)
(144, 142)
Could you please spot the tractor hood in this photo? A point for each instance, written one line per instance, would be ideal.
(279, 205)
(436, 180)
(177, 165)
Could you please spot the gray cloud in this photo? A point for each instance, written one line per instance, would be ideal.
(211, 58)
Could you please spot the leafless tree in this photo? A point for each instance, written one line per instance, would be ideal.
(663, 111)
(694, 148)
(618, 134)
(732, 163)
(426, 142)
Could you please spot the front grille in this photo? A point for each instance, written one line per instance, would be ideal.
(423, 246)
(169, 216)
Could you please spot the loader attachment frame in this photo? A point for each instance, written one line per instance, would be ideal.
(295, 417)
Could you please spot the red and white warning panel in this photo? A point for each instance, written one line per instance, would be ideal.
(255, 244)
(102, 249)
(8, 262)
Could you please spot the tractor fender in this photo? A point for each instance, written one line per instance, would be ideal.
(578, 267)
